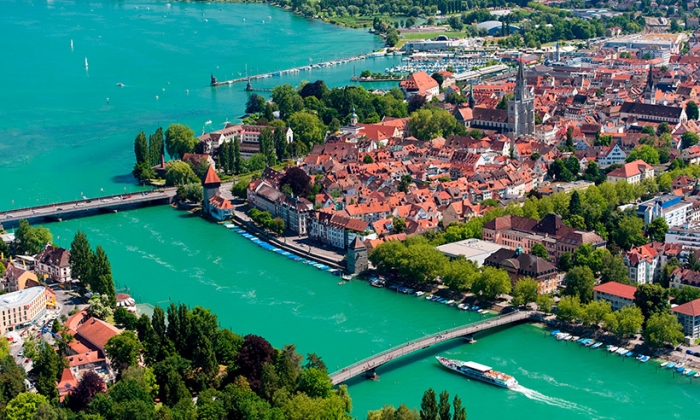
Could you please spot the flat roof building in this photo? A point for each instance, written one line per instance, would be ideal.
(474, 250)
(22, 308)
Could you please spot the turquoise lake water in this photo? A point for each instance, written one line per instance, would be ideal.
(59, 138)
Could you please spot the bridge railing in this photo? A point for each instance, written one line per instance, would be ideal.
(425, 337)
(64, 203)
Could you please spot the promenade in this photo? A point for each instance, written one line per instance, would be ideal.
(371, 363)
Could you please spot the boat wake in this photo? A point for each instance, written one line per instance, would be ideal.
(555, 402)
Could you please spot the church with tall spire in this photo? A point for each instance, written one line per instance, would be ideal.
(521, 109)
(649, 94)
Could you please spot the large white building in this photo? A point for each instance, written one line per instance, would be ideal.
(22, 308)
(474, 250)
(688, 236)
(619, 295)
(670, 207)
(642, 264)
(688, 315)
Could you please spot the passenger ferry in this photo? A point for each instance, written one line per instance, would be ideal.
(480, 372)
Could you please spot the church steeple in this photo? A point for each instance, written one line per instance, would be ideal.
(650, 90)
(521, 109)
(521, 90)
(472, 101)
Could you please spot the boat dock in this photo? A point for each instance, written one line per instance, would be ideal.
(214, 82)
(57, 212)
(369, 364)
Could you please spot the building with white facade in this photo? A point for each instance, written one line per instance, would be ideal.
(474, 250)
(688, 315)
(22, 308)
(619, 295)
(688, 236)
(642, 264)
(670, 207)
(632, 172)
(53, 263)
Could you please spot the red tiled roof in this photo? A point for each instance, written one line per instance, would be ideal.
(97, 332)
(691, 308)
(211, 177)
(616, 289)
(419, 81)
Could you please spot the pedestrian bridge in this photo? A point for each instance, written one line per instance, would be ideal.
(371, 363)
(86, 207)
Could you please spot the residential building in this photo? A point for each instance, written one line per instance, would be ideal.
(688, 315)
(15, 278)
(420, 83)
(619, 295)
(295, 213)
(632, 172)
(334, 229)
(518, 264)
(474, 250)
(670, 207)
(516, 231)
(93, 334)
(643, 264)
(611, 155)
(54, 264)
(22, 308)
(684, 277)
(687, 235)
(673, 115)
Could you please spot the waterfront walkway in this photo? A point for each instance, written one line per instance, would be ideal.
(86, 207)
(371, 363)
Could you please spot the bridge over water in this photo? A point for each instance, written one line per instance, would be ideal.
(371, 363)
(86, 207)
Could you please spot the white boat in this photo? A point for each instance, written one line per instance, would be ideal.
(419, 293)
(664, 364)
(621, 351)
(575, 338)
(479, 372)
(613, 349)
(86, 63)
(680, 365)
(460, 306)
(697, 375)
(120, 84)
(450, 302)
(562, 336)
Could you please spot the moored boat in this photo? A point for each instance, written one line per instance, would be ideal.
(555, 332)
(671, 365)
(664, 364)
(697, 375)
(596, 345)
(479, 372)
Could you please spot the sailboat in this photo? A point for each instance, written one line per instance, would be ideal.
(86, 63)
(71, 45)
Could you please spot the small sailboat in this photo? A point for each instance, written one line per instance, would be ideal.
(120, 84)
(208, 122)
(71, 45)
(86, 63)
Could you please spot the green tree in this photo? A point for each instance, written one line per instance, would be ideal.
(141, 148)
(255, 104)
(628, 233)
(143, 172)
(657, 229)
(31, 240)
(459, 274)
(663, 128)
(428, 406)
(646, 153)
(624, 322)
(614, 269)
(98, 307)
(267, 147)
(689, 139)
(491, 283)
(288, 100)
(525, 291)
(545, 303)
(575, 207)
(315, 383)
(595, 312)
(179, 173)
(651, 299)
(156, 147)
(100, 278)
(307, 128)
(565, 262)
(428, 123)
(279, 138)
(24, 406)
(460, 413)
(539, 250)
(691, 110)
(48, 366)
(179, 139)
(81, 260)
(237, 160)
(579, 282)
(123, 350)
(569, 308)
(444, 406)
(685, 294)
(661, 328)
(367, 159)
(12, 377)
(125, 318)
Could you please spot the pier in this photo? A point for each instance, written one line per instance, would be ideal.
(57, 212)
(369, 364)
(214, 82)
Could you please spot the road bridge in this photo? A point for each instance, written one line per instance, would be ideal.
(87, 207)
(369, 364)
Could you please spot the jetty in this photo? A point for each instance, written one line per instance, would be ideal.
(215, 82)
(376, 79)
(57, 212)
(370, 364)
